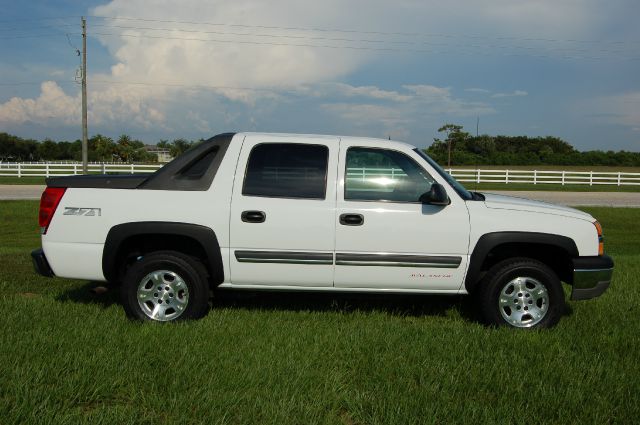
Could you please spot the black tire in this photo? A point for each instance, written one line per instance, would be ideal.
(538, 300)
(185, 280)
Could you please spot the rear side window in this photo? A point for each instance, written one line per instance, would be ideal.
(287, 170)
(196, 168)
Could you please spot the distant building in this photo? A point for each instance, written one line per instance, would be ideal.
(163, 154)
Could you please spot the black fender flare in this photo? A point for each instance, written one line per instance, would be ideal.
(203, 235)
(489, 241)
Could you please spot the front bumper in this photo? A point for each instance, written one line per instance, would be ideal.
(591, 276)
(40, 263)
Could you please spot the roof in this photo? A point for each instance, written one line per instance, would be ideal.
(330, 138)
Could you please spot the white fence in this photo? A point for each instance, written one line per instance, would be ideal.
(49, 169)
(590, 178)
(44, 169)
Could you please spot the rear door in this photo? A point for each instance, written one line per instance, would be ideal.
(282, 211)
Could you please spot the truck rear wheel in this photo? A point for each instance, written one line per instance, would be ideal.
(165, 286)
(522, 293)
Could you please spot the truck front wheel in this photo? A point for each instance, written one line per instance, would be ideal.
(165, 286)
(523, 293)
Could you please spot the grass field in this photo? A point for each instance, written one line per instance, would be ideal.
(69, 356)
(22, 180)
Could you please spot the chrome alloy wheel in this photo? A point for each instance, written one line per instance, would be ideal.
(163, 295)
(523, 302)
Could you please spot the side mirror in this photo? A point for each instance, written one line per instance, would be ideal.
(436, 196)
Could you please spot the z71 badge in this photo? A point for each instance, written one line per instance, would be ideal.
(87, 212)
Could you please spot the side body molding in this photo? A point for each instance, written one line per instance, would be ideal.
(489, 241)
(204, 236)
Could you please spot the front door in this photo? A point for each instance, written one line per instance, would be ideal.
(385, 237)
(282, 212)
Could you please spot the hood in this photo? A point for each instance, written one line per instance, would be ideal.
(522, 204)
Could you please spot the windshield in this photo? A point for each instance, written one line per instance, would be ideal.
(464, 193)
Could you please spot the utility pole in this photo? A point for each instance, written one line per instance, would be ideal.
(85, 143)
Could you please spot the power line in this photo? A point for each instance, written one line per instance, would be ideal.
(381, 49)
(33, 83)
(353, 47)
(162, 84)
(313, 38)
(38, 35)
(53, 18)
(351, 31)
(38, 27)
(197, 86)
(315, 29)
(351, 40)
(561, 50)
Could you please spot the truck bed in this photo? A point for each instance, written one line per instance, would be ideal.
(101, 181)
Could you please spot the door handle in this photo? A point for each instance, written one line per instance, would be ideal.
(253, 216)
(351, 219)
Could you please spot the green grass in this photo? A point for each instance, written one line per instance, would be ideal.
(22, 180)
(69, 356)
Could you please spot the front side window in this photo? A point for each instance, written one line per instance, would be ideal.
(384, 175)
(287, 170)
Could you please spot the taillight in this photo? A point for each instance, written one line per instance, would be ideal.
(600, 238)
(48, 203)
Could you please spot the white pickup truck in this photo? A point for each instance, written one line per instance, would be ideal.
(315, 213)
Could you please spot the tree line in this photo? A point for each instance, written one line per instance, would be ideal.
(101, 149)
(461, 148)
(457, 148)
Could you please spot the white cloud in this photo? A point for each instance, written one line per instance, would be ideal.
(111, 105)
(477, 90)
(439, 100)
(397, 118)
(363, 113)
(201, 124)
(181, 56)
(189, 83)
(174, 71)
(620, 109)
(372, 92)
(515, 93)
(52, 103)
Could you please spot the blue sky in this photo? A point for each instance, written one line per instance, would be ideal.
(166, 69)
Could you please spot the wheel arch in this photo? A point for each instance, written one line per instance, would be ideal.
(130, 240)
(554, 250)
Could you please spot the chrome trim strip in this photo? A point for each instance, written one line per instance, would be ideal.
(593, 270)
(348, 259)
(284, 257)
(395, 260)
(394, 264)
